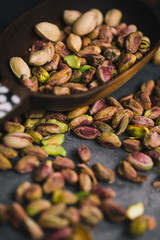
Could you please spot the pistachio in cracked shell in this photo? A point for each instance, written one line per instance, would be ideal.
(48, 31)
(19, 67)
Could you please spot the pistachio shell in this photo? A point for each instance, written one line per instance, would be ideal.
(17, 140)
(48, 31)
(74, 42)
(39, 58)
(113, 17)
(99, 15)
(70, 16)
(19, 67)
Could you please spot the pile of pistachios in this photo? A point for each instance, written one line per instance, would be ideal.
(89, 51)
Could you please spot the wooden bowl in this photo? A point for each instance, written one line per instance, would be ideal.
(19, 36)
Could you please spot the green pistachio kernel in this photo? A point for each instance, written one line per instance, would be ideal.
(137, 130)
(84, 68)
(73, 61)
(55, 150)
(63, 126)
(57, 139)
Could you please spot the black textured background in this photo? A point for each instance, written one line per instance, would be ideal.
(127, 193)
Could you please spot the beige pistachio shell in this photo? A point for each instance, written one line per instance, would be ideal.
(70, 16)
(113, 17)
(74, 42)
(48, 31)
(19, 67)
(85, 24)
(39, 58)
(99, 16)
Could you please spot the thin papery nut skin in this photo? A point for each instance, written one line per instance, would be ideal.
(97, 106)
(86, 132)
(108, 140)
(140, 160)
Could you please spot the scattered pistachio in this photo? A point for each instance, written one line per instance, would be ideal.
(35, 151)
(103, 173)
(91, 214)
(77, 112)
(84, 154)
(26, 164)
(55, 150)
(54, 182)
(5, 164)
(44, 171)
(113, 17)
(138, 226)
(137, 130)
(19, 67)
(63, 163)
(135, 211)
(140, 160)
(33, 192)
(8, 152)
(37, 206)
(17, 140)
(108, 140)
(64, 196)
(48, 31)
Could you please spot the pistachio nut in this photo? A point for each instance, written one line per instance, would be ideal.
(129, 29)
(74, 42)
(61, 77)
(148, 87)
(151, 223)
(152, 113)
(8, 152)
(63, 233)
(123, 125)
(61, 49)
(37, 137)
(54, 150)
(50, 48)
(54, 182)
(112, 54)
(48, 128)
(33, 192)
(88, 75)
(91, 214)
(84, 168)
(103, 74)
(89, 50)
(126, 62)
(94, 84)
(95, 60)
(137, 130)
(113, 17)
(156, 57)
(143, 99)
(72, 214)
(19, 67)
(76, 76)
(140, 160)
(70, 176)
(105, 114)
(126, 98)
(133, 105)
(86, 132)
(84, 154)
(138, 55)
(127, 172)
(99, 15)
(132, 145)
(43, 171)
(133, 41)
(73, 61)
(63, 163)
(85, 42)
(85, 182)
(26, 164)
(35, 151)
(64, 196)
(103, 173)
(5, 164)
(48, 31)
(102, 126)
(17, 140)
(81, 232)
(143, 121)
(103, 192)
(95, 33)
(19, 194)
(77, 112)
(85, 23)
(102, 44)
(41, 74)
(106, 34)
(4, 218)
(37, 206)
(56, 139)
(92, 199)
(135, 211)
(155, 155)
(12, 127)
(39, 58)
(59, 91)
(138, 226)
(113, 210)
(70, 16)
(31, 123)
(151, 140)
(81, 120)
(76, 87)
(50, 221)
(108, 64)
(108, 140)
(145, 45)
(58, 116)
(62, 125)
(113, 102)
(53, 64)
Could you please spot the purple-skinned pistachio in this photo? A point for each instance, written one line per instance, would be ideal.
(72, 214)
(35, 151)
(97, 106)
(129, 29)
(63, 233)
(108, 140)
(83, 120)
(103, 173)
(38, 45)
(105, 114)
(54, 182)
(76, 87)
(84, 154)
(151, 140)
(133, 41)
(103, 74)
(86, 132)
(31, 83)
(61, 49)
(103, 192)
(153, 113)
(108, 64)
(126, 62)
(106, 34)
(103, 44)
(26, 164)
(155, 155)
(90, 50)
(155, 129)
(140, 160)
(17, 140)
(63, 163)
(144, 121)
(45, 89)
(43, 171)
(132, 145)
(61, 77)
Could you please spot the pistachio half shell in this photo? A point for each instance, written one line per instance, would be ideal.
(19, 67)
(48, 31)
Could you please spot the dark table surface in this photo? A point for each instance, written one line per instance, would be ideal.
(127, 193)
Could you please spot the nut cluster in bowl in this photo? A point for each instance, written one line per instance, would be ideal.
(89, 51)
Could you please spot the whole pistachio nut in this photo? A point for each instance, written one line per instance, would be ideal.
(58, 116)
(62, 233)
(143, 99)
(133, 41)
(70, 176)
(61, 49)
(97, 106)
(85, 23)
(8, 152)
(109, 140)
(84, 168)
(151, 223)
(64, 196)
(37, 206)
(19, 194)
(70, 16)
(35, 114)
(135, 211)
(47, 129)
(103, 192)
(151, 140)
(63, 163)
(113, 210)
(148, 87)
(103, 74)
(33, 192)
(156, 57)
(91, 214)
(85, 182)
(82, 120)
(132, 145)
(113, 17)
(125, 98)
(41, 74)
(72, 214)
(35, 151)
(39, 58)
(37, 137)
(17, 140)
(138, 226)
(133, 105)
(43, 171)
(126, 62)
(55, 150)
(5, 164)
(103, 173)
(50, 221)
(74, 42)
(86, 132)
(54, 182)
(105, 114)
(26, 164)
(63, 126)
(137, 130)
(155, 155)
(56, 139)
(77, 112)
(143, 121)
(89, 50)
(140, 160)
(99, 15)
(48, 31)
(84, 154)
(127, 172)
(102, 126)
(19, 67)
(145, 45)
(119, 115)
(12, 127)
(152, 113)
(61, 77)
